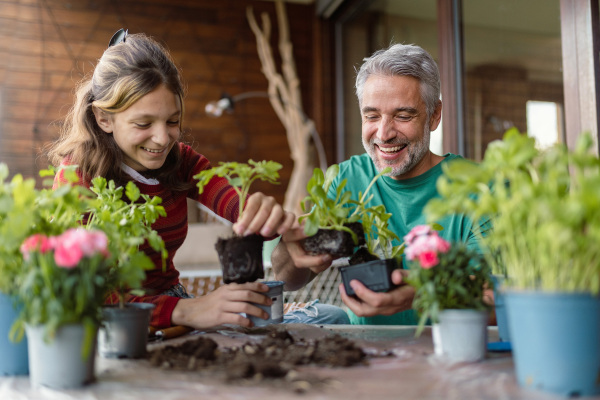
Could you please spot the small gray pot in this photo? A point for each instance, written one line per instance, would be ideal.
(59, 364)
(124, 331)
(275, 310)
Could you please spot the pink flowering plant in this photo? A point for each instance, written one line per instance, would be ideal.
(445, 275)
(64, 280)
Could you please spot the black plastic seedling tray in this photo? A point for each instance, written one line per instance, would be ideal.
(376, 275)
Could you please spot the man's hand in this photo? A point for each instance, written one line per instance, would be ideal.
(300, 258)
(368, 303)
(292, 264)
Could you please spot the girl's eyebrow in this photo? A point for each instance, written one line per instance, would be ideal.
(143, 116)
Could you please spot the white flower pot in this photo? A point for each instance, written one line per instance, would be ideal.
(437, 340)
(463, 335)
(60, 363)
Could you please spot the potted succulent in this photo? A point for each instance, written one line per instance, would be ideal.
(333, 225)
(126, 216)
(449, 281)
(64, 283)
(25, 211)
(543, 206)
(241, 256)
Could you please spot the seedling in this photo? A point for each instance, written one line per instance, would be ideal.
(240, 176)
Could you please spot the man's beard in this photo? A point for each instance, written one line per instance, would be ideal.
(415, 151)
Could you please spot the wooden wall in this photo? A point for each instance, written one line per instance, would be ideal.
(46, 46)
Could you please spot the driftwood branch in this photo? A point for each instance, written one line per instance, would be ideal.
(286, 100)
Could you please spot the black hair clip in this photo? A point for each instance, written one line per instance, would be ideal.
(118, 37)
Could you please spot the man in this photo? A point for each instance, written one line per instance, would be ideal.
(398, 91)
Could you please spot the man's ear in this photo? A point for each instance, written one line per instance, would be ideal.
(434, 121)
(103, 120)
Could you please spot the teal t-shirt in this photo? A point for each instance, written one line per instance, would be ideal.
(405, 200)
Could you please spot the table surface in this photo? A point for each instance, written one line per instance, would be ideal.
(410, 372)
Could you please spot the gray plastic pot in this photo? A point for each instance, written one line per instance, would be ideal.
(275, 310)
(124, 331)
(59, 363)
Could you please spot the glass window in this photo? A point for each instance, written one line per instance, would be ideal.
(512, 62)
(543, 122)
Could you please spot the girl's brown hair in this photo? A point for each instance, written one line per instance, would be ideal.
(126, 72)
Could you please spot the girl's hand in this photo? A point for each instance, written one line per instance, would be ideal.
(223, 306)
(263, 215)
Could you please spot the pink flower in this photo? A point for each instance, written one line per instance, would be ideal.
(425, 244)
(37, 242)
(75, 244)
(421, 244)
(428, 259)
(419, 230)
(441, 245)
(67, 255)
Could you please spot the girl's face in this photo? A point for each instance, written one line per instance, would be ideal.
(147, 131)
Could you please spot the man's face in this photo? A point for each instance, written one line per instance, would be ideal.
(395, 127)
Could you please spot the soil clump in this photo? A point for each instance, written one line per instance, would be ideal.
(336, 243)
(275, 358)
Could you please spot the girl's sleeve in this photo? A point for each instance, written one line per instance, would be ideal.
(220, 197)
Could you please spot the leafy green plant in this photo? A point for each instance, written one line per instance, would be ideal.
(444, 275)
(240, 176)
(65, 281)
(543, 206)
(25, 211)
(323, 212)
(128, 224)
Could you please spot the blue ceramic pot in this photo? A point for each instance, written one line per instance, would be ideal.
(500, 308)
(13, 356)
(555, 339)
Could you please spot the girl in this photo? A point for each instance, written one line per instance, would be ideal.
(126, 125)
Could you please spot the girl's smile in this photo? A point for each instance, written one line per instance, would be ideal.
(147, 131)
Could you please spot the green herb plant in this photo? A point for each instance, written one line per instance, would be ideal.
(240, 176)
(126, 216)
(322, 212)
(24, 211)
(543, 208)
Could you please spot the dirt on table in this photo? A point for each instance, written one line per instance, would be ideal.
(273, 359)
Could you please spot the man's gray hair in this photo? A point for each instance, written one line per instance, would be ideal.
(403, 60)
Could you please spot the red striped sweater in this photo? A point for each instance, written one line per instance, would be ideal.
(218, 196)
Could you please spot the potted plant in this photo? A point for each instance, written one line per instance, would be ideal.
(64, 284)
(126, 216)
(372, 264)
(449, 280)
(241, 256)
(333, 225)
(543, 206)
(25, 211)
